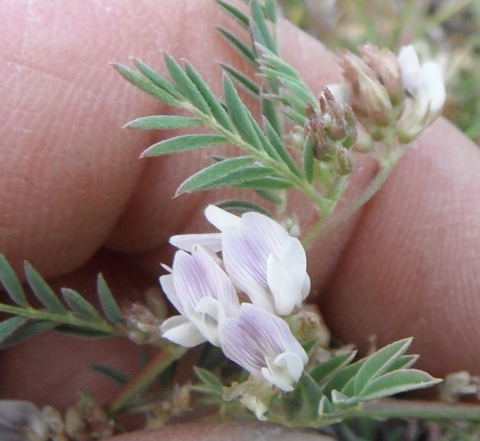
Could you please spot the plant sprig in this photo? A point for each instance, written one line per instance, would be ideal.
(70, 313)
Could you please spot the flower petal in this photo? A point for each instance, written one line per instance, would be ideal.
(286, 276)
(284, 371)
(220, 218)
(186, 242)
(256, 336)
(166, 282)
(180, 330)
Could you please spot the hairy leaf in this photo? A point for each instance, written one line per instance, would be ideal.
(11, 283)
(239, 46)
(161, 122)
(377, 363)
(260, 27)
(240, 115)
(157, 78)
(111, 373)
(29, 329)
(240, 206)
(147, 86)
(235, 13)
(396, 382)
(217, 109)
(10, 325)
(42, 291)
(107, 301)
(279, 146)
(185, 84)
(311, 394)
(183, 143)
(79, 305)
(250, 86)
(325, 370)
(207, 177)
(270, 195)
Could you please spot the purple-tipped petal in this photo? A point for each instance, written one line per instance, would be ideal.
(256, 340)
(202, 293)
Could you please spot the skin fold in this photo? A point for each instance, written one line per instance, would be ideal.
(75, 199)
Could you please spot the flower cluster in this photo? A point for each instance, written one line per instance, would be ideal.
(238, 302)
(378, 84)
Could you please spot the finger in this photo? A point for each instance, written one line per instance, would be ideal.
(411, 267)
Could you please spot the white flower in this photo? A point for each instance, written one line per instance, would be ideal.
(202, 293)
(263, 344)
(262, 259)
(425, 84)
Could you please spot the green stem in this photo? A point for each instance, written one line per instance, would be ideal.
(388, 408)
(382, 175)
(143, 380)
(68, 318)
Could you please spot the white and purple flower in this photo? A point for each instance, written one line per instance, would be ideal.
(203, 295)
(263, 344)
(425, 84)
(260, 257)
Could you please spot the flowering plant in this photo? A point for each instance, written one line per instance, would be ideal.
(243, 288)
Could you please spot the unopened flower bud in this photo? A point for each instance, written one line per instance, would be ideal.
(345, 162)
(370, 98)
(385, 64)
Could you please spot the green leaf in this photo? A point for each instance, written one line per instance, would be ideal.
(250, 86)
(239, 46)
(146, 85)
(9, 326)
(208, 177)
(239, 178)
(235, 13)
(240, 115)
(29, 329)
(42, 291)
(308, 158)
(279, 146)
(260, 27)
(157, 78)
(392, 383)
(210, 385)
(403, 362)
(79, 305)
(216, 107)
(270, 195)
(266, 183)
(271, 10)
(162, 122)
(112, 374)
(79, 331)
(311, 394)
(11, 283)
(240, 206)
(342, 377)
(185, 84)
(269, 111)
(183, 143)
(342, 401)
(291, 406)
(107, 301)
(377, 363)
(325, 370)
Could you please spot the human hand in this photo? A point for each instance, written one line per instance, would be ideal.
(76, 200)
